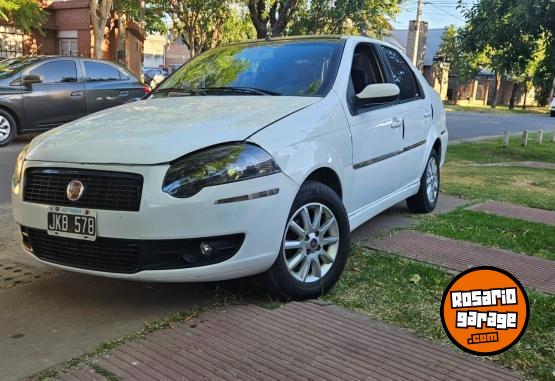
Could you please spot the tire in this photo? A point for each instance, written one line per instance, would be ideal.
(423, 201)
(8, 128)
(552, 113)
(318, 251)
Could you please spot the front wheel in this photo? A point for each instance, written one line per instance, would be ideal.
(8, 128)
(315, 245)
(425, 201)
(552, 113)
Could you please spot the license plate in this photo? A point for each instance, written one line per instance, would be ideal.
(72, 222)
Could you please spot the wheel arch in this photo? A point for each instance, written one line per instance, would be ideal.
(328, 177)
(437, 147)
(14, 115)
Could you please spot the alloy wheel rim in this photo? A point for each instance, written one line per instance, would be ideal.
(5, 128)
(311, 242)
(432, 180)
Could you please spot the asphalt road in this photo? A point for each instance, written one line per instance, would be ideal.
(465, 125)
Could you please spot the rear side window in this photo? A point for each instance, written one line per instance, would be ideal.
(402, 74)
(99, 72)
(56, 72)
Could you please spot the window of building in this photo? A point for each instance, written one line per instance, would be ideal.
(68, 46)
(99, 72)
(56, 72)
(402, 74)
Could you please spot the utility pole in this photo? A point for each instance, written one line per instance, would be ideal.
(417, 33)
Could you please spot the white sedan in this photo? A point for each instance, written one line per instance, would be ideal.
(254, 158)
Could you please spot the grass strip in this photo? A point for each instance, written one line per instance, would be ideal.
(520, 236)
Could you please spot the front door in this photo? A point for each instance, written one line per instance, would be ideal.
(58, 99)
(377, 134)
(416, 113)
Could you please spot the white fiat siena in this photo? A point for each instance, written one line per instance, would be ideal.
(253, 158)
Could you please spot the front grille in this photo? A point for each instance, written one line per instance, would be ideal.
(103, 189)
(104, 254)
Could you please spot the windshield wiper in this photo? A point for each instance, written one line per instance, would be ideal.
(179, 90)
(239, 90)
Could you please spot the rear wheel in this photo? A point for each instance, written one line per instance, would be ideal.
(315, 245)
(552, 113)
(425, 200)
(8, 128)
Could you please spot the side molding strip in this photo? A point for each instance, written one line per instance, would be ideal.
(388, 155)
(252, 196)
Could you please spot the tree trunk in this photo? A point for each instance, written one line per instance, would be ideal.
(456, 94)
(278, 16)
(497, 86)
(122, 31)
(100, 11)
(525, 95)
(513, 97)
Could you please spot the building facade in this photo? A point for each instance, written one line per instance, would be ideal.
(67, 31)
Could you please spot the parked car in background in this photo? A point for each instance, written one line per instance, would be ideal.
(38, 93)
(173, 68)
(154, 76)
(263, 167)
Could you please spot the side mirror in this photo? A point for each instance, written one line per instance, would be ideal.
(30, 79)
(378, 93)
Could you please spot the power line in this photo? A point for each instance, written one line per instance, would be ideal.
(444, 11)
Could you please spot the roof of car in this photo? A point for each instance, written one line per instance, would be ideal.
(314, 37)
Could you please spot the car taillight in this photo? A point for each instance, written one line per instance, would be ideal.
(147, 90)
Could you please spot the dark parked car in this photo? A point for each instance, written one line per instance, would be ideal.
(39, 93)
(153, 74)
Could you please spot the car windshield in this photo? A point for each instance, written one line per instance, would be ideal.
(11, 66)
(294, 68)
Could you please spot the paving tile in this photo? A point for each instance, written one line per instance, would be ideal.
(298, 341)
(459, 255)
(516, 211)
(398, 216)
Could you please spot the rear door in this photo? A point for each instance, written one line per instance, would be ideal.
(106, 86)
(377, 133)
(414, 110)
(58, 99)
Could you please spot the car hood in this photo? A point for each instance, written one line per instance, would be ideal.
(161, 130)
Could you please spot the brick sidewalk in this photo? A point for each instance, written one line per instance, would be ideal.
(298, 341)
(459, 255)
(516, 211)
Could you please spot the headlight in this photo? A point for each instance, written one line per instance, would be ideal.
(218, 165)
(18, 169)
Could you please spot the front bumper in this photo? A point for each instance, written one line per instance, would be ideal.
(162, 219)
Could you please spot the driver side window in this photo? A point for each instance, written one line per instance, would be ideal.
(365, 70)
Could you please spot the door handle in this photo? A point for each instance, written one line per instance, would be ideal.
(428, 114)
(77, 94)
(123, 93)
(396, 122)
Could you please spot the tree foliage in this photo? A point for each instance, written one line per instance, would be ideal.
(199, 22)
(368, 17)
(152, 15)
(24, 14)
(509, 34)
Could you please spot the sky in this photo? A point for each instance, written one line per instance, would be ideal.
(438, 13)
